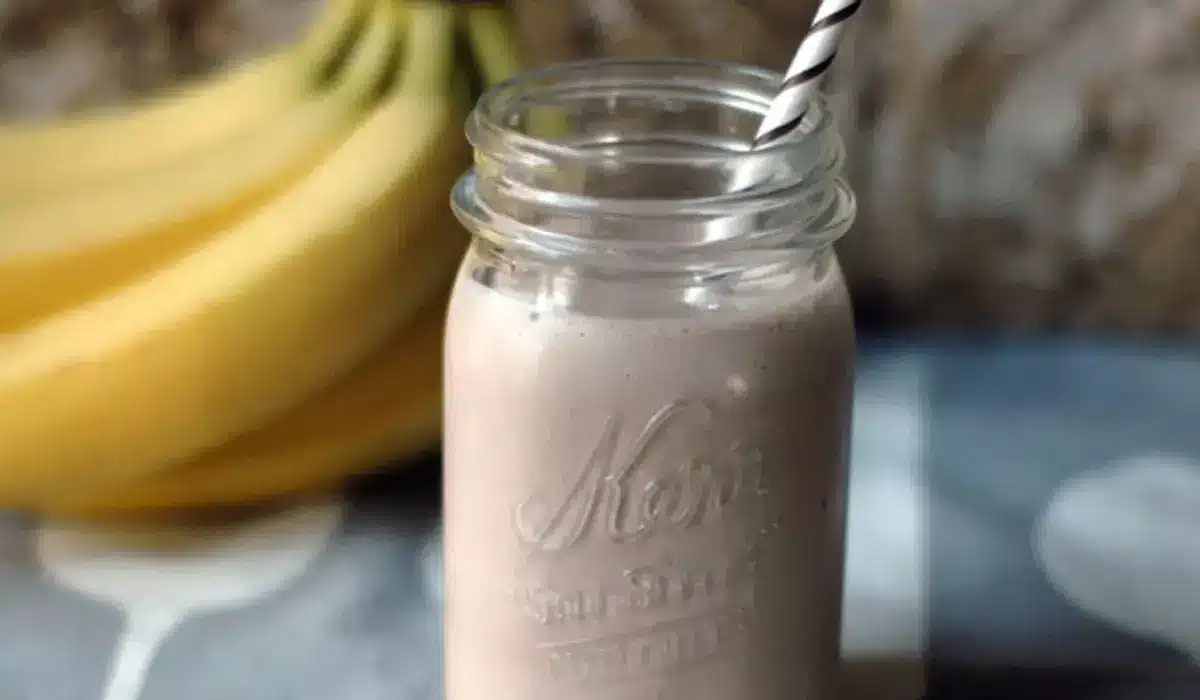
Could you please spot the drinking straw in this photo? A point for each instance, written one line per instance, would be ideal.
(813, 59)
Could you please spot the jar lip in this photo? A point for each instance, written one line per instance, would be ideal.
(749, 83)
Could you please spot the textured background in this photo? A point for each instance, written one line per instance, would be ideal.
(1021, 165)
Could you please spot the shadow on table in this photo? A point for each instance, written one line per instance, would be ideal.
(908, 679)
(882, 679)
(413, 485)
(999, 682)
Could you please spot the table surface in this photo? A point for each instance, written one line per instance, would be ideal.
(1024, 524)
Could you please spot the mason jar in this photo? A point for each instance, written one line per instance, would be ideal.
(648, 368)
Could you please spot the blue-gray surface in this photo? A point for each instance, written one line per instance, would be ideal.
(1025, 523)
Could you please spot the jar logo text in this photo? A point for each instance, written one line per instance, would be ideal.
(649, 490)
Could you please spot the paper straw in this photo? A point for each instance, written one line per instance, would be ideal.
(812, 62)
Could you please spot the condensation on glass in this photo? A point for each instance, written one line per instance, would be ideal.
(649, 353)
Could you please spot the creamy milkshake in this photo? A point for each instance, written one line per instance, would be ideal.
(648, 392)
(645, 508)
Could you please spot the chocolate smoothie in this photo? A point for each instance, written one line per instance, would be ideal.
(645, 501)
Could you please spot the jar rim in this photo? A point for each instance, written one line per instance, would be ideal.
(554, 187)
(754, 86)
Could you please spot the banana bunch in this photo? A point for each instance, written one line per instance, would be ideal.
(234, 292)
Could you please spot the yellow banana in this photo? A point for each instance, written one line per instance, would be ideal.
(390, 406)
(253, 322)
(58, 154)
(61, 250)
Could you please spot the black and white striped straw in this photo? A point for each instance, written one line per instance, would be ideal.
(812, 62)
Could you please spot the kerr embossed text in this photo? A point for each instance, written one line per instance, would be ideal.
(606, 497)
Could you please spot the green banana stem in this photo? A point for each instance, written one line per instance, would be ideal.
(493, 39)
(494, 42)
(332, 38)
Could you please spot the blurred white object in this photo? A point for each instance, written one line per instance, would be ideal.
(158, 577)
(884, 630)
(1123, 545)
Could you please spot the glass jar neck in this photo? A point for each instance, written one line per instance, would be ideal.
(645, 166)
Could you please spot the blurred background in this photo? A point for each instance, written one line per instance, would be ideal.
(1025, 486)
(1021, 166)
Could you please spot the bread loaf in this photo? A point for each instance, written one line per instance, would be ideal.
(1029, 164)
(759, 32)
(59, 56)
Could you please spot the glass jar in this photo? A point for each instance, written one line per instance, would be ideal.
(649, 359)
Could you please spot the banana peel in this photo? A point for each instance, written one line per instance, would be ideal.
(232, 335)
(388, 407)
(384, 408)
(93, 239)
(99, 144)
